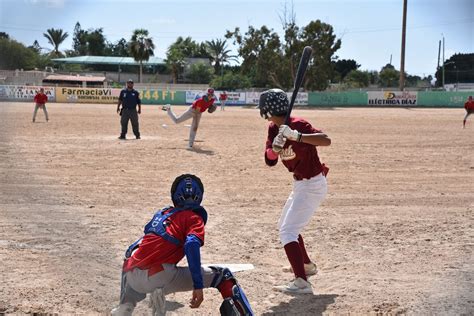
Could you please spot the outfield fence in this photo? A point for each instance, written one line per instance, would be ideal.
(180, 97)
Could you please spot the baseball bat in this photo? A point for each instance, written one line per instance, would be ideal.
(304, 61)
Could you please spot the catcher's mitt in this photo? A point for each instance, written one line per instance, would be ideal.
(212, 108)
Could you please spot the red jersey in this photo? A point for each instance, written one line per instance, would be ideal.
(300, 158)
(223, 96)
(154, 250)
(469, 106)
(41, 98)
(203, 103)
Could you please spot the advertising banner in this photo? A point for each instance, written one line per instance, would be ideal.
(233, 98)
(443, 99)
(25, 93)
(338, 98)
(392, 98)
(301, 98)
(87, 95)
(162, 96)
(192, 95)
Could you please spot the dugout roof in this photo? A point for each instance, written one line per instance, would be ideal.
(73, 78)
(108, 60)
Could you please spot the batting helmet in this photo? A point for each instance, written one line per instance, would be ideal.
(187, 190)
(273, 102)
(210, 91)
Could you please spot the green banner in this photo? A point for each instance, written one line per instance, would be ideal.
(162, 97)
(442, 98)
(337, 98)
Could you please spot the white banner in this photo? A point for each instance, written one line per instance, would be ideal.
(25, 93)
(233, 98)
(392, 98)
(301, 98)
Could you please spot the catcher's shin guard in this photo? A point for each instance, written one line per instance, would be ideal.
(237, 304)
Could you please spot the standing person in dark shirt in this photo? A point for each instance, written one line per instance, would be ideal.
(295, 144)
(129, 99)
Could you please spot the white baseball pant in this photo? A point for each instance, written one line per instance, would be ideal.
(303, 201)
(136, 283)
(189, 113)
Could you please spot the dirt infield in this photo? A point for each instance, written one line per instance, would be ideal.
(394, 235)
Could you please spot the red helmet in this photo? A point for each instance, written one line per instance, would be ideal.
(210, 91)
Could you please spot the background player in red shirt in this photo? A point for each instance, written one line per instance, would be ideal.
(176, 231)
(296, 145)
(223, 99)
(469, 106)
(195, 110)
(40, 102)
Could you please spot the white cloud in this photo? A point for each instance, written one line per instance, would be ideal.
(48, 3)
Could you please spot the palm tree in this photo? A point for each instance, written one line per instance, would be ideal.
(141, 47)
(55, 38)
(219, 54)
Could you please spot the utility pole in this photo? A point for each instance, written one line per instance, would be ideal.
(439, 53)
(443, 61)
(402, 59)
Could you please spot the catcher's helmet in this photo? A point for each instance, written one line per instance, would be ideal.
(273, 102)
(187, 190)
(210, 91)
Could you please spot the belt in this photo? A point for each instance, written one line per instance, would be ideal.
(299, 178)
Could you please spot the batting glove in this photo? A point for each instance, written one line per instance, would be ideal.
(278, 143)
(289, 133)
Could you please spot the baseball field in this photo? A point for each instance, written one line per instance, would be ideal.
(395, 234)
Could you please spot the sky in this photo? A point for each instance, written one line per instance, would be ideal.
(370, 30)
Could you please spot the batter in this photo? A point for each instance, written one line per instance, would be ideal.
(295, 144)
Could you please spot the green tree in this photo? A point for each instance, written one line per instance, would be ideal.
(320, 36)
(141, 47)
(389, 76)
(457, 68)
(35, 47)
(231, 81)
(55, 37)
(357, 79)
(4, 35)
(268, 62)
(95, 42)
(175, 61)
(373, 77)
(343, 67)
(14, 55)
(91, 42)
(119, 49)
(79, 41)
(261, 52)
(200, 73)
(219, 54)
(181, 49)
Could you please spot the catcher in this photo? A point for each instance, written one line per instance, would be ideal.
(296, 145)
(195, 110)
(176, 231)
